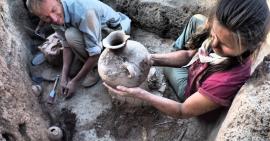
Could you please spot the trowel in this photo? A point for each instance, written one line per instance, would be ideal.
(52, 93)
(36, 35)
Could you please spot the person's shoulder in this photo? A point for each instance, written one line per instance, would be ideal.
(81, 2)
(68, 2)
(242, 69)
(238, 73)
(72, 3)
(75, 7)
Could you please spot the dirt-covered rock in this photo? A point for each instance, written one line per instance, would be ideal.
(249, 115)
(21, 116)
(167, 18)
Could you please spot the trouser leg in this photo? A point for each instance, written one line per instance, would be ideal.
(84, 45)
(178, 76)
(195, 23)
(76, 43)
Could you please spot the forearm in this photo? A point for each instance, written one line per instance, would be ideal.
(173, 59)
(165, 105)
(88, 65)
(196, 104)
(67, 60)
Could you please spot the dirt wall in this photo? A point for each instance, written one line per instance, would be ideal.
(20, 114)
(166, 18)
(249, 115)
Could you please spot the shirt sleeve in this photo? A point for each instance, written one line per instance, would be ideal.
(91, 28)
(222, 87)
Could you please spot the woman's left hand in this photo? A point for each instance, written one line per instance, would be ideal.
(124, 91)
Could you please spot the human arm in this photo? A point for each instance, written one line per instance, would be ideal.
(91, 29)
(172, 59)
(92, 45)
(195, 105)
(88, 65)
(67, 60)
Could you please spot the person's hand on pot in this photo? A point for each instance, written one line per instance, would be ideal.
(124, 91)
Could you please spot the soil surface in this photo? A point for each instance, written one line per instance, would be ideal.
(93, 115)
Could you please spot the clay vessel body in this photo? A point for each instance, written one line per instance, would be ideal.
(123, 62)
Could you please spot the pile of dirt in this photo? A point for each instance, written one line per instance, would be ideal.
(165, 18)
(129, 123)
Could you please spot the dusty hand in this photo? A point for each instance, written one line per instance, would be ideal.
(124, 91)
(70, 88)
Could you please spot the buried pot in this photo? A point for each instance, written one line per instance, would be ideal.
(123, 62)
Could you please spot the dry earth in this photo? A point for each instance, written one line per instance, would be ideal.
(91, 114)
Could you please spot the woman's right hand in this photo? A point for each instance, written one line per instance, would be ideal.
(124, 91)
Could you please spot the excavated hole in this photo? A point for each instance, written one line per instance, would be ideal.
(8, 137)
(110, 121)
(22, 130)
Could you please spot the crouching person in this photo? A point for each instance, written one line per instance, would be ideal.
(217, 61)
(79, 24)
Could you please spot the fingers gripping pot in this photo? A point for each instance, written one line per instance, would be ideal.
(123, 62)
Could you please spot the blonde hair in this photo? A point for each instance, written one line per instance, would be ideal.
(33, 5)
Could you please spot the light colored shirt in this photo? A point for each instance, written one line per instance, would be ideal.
(76, 14)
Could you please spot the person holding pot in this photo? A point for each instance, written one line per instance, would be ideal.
(216, 62)
(79, 24)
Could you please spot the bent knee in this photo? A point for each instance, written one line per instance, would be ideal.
(73, 36)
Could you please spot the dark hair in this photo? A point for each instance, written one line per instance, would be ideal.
(247, 19)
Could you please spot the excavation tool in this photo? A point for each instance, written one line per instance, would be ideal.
(33, 33)
(52, 94)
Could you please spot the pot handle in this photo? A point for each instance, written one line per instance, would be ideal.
(126, 37)
(131, 69)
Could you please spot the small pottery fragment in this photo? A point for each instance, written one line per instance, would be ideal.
(55, 133)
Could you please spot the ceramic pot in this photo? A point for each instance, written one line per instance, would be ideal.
(123, 62)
